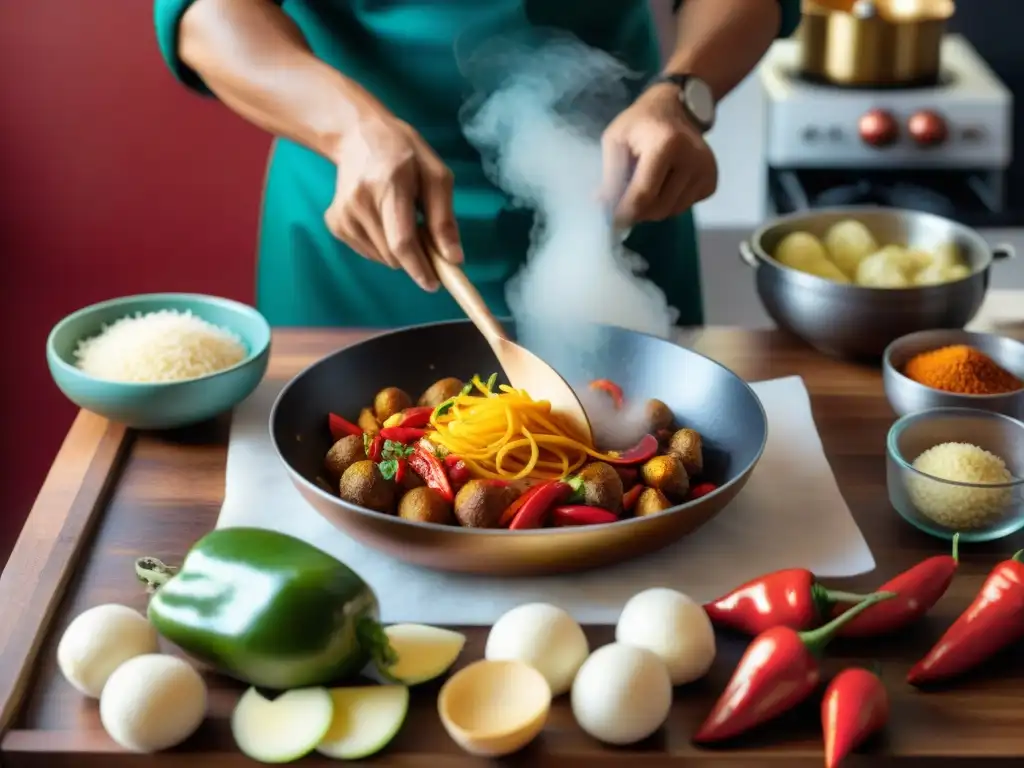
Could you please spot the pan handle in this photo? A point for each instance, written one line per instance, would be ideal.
(1003, 251)
(747, 254)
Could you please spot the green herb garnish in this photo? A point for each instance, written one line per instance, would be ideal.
(395, 450)
(492, 379)
(388, 468)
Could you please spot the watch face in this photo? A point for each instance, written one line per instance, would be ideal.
(699, 100)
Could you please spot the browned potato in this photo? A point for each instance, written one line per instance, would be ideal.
(440, 391)
(667, 474)
(688, 446)
(410, 480)
(599, 485)
(480, 503)
(651, 502)
(659, 416)
(363, 484)
(368, 422)
(344, 454)
(425, 505)
(390, 401)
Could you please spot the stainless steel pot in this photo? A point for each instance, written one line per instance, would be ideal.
(851, 321)
(877, 43)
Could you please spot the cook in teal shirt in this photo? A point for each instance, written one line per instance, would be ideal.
(364, 96)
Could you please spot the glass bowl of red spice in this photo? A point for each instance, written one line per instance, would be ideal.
(955, 369)
(958, 471)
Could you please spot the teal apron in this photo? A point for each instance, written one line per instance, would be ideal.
(404, 52)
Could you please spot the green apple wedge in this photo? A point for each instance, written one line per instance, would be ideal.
(283, 729)
(424, 653)
(366, 719)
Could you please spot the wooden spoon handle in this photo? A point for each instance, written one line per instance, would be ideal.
(457, 284)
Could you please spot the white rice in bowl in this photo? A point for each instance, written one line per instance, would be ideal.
(160, 346)
(957, 507)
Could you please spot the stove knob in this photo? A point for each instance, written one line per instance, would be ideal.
(927, 128)
(878, 128)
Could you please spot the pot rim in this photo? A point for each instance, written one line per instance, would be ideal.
(817, 9)
(849, 289)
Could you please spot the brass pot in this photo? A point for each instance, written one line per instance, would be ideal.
(873, 43)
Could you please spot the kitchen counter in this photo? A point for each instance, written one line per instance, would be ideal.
(114, 495)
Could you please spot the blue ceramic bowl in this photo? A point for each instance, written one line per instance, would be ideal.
(160, 405)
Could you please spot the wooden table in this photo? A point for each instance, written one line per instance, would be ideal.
(114, 495)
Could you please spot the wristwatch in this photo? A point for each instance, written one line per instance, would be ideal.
(695, 97)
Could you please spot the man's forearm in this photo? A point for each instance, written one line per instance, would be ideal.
(256, 60)
(720, 41)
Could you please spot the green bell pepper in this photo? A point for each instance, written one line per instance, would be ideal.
(267, 609)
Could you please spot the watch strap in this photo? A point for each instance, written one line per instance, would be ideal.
(680, 81)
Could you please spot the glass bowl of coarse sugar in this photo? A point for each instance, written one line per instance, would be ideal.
(958, 470)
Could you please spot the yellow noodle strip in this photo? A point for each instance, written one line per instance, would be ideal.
(503, 433)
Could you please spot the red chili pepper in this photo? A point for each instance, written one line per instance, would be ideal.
(403, 435)
(629, 476)
(582, 514)
(612, 389)
(701, 489)
(425, 464)
(376, 449)
(418, 417)
(630, 497)
(917, 590)
(791, 598)
(993, 621)
(513, 509)
(400, 467)
(458, 472)
(533, 511)
(341, 427)
(778, 671)
(638, 454)
(855, 706)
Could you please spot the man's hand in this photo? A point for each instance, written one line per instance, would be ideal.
(672, 166)
(386, 173)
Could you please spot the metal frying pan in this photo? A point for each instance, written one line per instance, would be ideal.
(703, 395)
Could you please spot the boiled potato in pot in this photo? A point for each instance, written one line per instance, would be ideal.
(804, 252)
(851, 253)
(887, 268)
(937, 273)
(848, 243)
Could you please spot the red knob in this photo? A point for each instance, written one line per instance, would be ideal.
(927, 128)
(878, 128)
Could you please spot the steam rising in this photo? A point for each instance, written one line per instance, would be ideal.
(538, 128)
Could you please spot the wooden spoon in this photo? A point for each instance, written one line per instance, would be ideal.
(523, 369)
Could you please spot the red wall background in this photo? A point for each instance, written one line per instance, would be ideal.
(113, 180)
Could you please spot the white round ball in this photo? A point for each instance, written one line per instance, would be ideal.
(622, 694)
(100, 640)
(153, 702)
(543, 636)
(674, 627)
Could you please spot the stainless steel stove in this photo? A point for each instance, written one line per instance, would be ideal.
(944, 148)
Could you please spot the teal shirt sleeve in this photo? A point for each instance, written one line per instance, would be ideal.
(167, 18)
(790, 15)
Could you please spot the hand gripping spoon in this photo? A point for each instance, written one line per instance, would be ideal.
(523, 369)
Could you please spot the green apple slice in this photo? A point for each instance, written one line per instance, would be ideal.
(283, 729)
(366, 719)
(424, 652)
